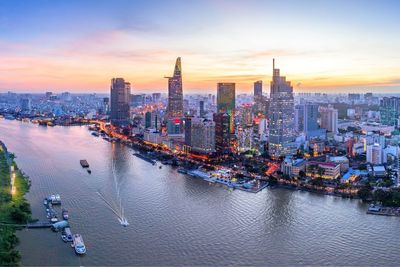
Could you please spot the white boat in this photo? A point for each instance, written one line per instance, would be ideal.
(78, 244)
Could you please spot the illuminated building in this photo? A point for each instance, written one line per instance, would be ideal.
(202, 135)
(174, 126)
(325, 170)
(222, 132)
(281, 117)
(175, 92)
(120, 93)
(226, 102)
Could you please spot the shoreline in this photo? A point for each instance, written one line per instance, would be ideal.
(15, 209)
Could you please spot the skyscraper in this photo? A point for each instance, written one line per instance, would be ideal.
(310, 117)
(202, 111)
(222, 132)
(175, 92)
(258, 89)
(390, 110)
(120, 93)
(306, 116)
(329, 118)
(281, 116)
(226, 102)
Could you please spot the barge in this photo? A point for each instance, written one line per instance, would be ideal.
(145, 158)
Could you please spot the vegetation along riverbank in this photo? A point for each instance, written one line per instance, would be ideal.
(14, 208)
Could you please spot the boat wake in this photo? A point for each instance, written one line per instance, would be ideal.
(116, 208)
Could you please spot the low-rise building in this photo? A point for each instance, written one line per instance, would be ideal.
(326, 170)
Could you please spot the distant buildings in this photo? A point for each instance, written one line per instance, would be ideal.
(281, 117)
(222, 132)
(120, 93)
(329, 118)
(226, 102)
(175, 92)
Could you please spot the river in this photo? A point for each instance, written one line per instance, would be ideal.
(179, 220)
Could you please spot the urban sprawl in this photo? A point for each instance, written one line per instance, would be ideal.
(340, 144)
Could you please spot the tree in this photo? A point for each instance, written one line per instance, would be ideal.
(364, 193)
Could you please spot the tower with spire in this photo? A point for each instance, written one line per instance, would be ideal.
(175, 92)
(281, 116)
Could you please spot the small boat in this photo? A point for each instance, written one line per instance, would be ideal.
(65, 214)
(84, 163)
(89, 171)
(45, 202)
(66, 235)
(78, 245)
(54, 199)
(54, 219)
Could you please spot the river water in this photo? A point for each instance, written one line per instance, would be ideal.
(178, 220)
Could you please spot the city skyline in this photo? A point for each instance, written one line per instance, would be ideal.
(62, 46)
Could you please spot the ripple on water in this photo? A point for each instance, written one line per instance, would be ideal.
(178, 220)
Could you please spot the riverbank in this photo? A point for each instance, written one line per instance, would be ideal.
(14, 208)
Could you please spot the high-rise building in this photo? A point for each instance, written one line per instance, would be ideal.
(246, 116)
(258, 86)
(147, 119)
(26, 104)
(299, 118)
(156, 97)
(106, 105)
(310, 117)
(174, 126)
(390, 110)
(202, 135)
(175, 92)
(120, 93)
(329, 118)
(188, 130)
(281, 117)
(202, 111)
(222, 132)
(374, 154)
(226, 102)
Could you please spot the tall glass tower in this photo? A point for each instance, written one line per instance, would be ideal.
(226, 102)
(175, 92)
(120, 93)
(281, 116)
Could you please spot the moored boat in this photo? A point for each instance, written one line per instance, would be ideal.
(65, 214)
(66, 235)
(78, 244)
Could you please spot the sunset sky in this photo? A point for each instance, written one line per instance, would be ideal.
(79, 46)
